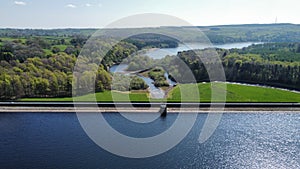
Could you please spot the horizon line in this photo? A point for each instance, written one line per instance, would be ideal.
(62, 28)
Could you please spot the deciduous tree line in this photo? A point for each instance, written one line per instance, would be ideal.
(239, 67)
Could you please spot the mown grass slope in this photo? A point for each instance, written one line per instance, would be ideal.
(194, 93)
(234, 93)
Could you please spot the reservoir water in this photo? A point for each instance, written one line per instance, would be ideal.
(160, 53)
(56, 140)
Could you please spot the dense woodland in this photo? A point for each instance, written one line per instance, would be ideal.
(43, 66)
(40, 63)
(264, 64)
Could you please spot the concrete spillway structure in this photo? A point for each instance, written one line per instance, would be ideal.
(163, 110)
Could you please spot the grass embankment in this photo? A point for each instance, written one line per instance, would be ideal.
(234, 93)
(106, 96)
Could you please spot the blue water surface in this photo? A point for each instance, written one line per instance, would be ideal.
(56, 140)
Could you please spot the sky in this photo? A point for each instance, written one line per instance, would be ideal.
(49, 14)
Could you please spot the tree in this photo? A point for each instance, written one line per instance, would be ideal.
(70, 50)
(17, 87)
(42, 87)
(6, 89)
(298, 48)
(55, 50)
(103, 80)
(137, 83)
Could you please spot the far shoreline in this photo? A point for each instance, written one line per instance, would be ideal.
(199, 108)
(146, 110)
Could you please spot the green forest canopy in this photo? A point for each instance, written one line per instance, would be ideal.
(40, 63)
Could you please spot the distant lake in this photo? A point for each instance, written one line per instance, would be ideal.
(56, 140)
(160, 53)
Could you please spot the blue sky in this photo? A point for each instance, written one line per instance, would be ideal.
(99, 13)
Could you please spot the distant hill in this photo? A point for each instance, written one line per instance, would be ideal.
(283, 32)
(44, 32)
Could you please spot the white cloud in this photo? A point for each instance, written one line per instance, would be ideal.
(90, 5)
(20, 3)
(71, 6)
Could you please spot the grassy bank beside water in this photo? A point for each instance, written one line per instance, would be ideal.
(234, 93)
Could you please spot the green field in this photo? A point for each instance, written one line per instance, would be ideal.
(106, 96)
(234, 93)
(61, 47)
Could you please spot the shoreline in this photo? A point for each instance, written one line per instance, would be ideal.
(72, 107)
(254, 110)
